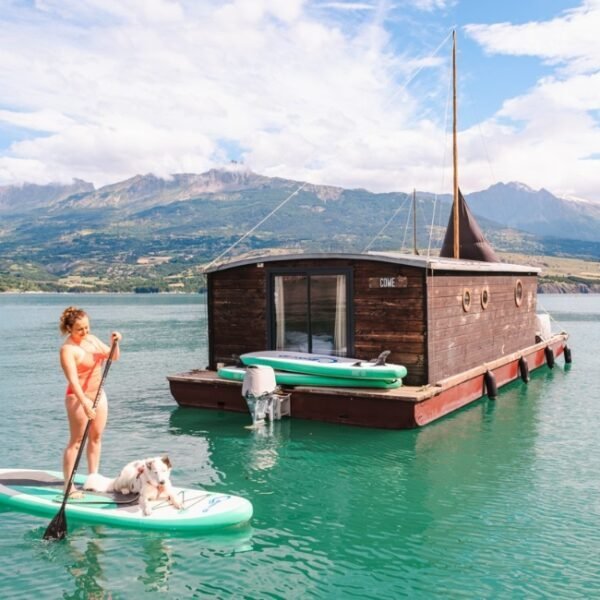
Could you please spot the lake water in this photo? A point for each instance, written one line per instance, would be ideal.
(499, 500)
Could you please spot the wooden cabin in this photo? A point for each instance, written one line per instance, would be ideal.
(450, 322)
(437, 316)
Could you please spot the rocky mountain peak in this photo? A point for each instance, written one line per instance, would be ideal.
(28, 196)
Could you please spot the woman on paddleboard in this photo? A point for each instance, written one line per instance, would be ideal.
(81, 358)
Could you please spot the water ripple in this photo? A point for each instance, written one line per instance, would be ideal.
(499, 500)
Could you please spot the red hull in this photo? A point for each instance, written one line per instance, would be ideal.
(404, 408)
(471, 389)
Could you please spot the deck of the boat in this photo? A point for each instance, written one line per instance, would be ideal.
(405, 393)
(403, 407)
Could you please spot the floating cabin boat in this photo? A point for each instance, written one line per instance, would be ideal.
(461, 328)
(463, 324)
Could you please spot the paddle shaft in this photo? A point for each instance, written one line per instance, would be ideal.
(60, 516)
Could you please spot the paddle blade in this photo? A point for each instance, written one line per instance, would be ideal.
(57, 530)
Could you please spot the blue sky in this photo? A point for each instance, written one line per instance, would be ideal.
(349, 93)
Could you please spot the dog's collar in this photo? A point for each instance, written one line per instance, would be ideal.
(159, 486)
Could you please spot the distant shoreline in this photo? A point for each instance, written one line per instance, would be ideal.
(543, 288)
(568, 288)
(96, 293)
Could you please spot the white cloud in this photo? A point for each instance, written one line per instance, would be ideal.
(550, 132)
(124, 96)
(153, 11)
(431, 5)
(42, 120)
(350, 6)
(570, 40)
(119, 87)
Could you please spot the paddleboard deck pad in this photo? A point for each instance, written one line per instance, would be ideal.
(41, 492)
(323, 365)
(290, 379)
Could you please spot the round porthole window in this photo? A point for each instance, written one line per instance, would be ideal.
(485, 297)
(466, 300)
(518, 292)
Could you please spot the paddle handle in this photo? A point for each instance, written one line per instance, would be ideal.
(89, 423)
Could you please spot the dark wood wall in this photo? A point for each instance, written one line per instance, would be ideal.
(459, 339)
(237, 320)
(384, 318)
(392, 319)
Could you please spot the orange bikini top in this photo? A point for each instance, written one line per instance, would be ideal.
(87, 367)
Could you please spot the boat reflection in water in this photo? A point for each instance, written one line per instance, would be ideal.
(89, 553)
(214, 429)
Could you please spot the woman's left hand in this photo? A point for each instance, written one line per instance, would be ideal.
(115, 336)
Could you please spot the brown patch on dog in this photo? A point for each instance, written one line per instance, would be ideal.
(166, 460)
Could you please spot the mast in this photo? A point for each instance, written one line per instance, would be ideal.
(455, 150)
(415, 222)
(474, 244)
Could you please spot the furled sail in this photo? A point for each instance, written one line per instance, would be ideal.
(473, 245)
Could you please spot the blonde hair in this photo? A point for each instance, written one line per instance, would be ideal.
(68, 318)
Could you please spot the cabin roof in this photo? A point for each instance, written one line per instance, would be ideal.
(434, 263)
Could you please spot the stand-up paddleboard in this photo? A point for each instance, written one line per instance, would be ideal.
(288, 378)
(41, 493)
(324, 365)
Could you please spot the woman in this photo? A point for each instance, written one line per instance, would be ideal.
(81, 358)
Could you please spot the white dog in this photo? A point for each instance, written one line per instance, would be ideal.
(150, 478)
(98, 483)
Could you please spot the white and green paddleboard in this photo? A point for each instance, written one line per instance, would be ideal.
(287, 378)
(324, 365)
(41, 493)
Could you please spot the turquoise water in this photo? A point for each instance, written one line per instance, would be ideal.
(500, 500)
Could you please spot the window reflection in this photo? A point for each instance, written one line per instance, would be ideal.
(311, 313)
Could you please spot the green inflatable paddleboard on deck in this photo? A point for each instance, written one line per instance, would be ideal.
(287, 378)
(324, 365)
(41, 493)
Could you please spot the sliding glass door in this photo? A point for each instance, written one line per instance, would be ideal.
(310, 312)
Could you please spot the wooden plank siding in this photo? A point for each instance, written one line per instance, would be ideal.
(459, 339)
(423, 324)
(383, 318)
(237, 313)
(391, 318)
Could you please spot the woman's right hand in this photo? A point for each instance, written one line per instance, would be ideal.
(88, 408)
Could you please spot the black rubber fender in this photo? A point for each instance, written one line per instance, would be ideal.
(549, 356)
(567, 353)
(491, 389)
(524, 369)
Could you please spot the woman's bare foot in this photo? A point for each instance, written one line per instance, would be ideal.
(76, 494)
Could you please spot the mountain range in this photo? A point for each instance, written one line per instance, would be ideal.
(149, 232)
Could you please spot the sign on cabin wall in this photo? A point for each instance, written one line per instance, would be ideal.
(388, 282)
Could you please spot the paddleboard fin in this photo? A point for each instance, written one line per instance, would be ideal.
(380, 360)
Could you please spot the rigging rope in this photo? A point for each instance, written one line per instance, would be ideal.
(386, 225)
(487, 154)
(256, 226)
(435, 201)
(403, 87)
(212, 262)
(398, 90)
(547, 312)
(406, 227)
(423, 65)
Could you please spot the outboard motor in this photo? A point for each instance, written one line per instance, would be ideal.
(258, 389)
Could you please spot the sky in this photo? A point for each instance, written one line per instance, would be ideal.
(351, 93)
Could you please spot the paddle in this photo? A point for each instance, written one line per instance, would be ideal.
(57, 529)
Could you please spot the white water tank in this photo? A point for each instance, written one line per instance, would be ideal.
(258, 380)
(544, 327)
